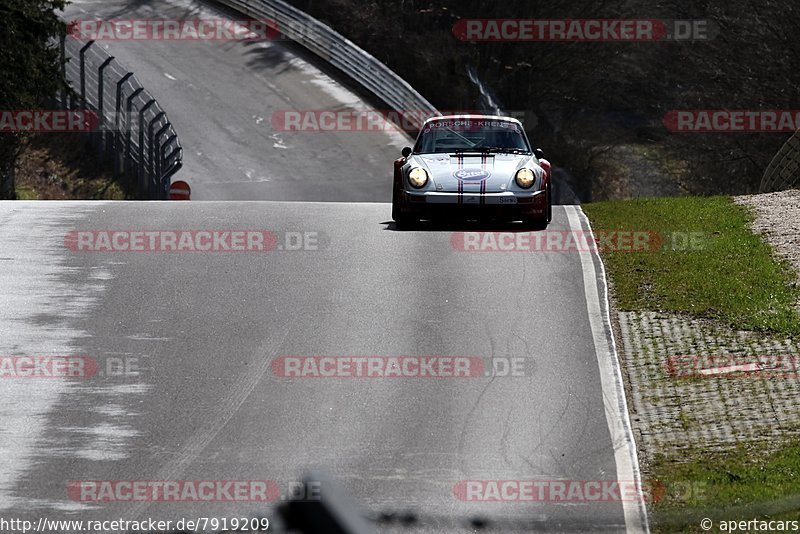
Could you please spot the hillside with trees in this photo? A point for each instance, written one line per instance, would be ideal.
(585, 100)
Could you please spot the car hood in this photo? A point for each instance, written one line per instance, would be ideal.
(489, 172)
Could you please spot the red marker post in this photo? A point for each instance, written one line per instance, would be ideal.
(180, 190)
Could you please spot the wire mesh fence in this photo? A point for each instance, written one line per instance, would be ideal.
(783, 172)
(133, 132)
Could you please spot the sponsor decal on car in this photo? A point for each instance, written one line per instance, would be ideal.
(472, 175)
(470, 124)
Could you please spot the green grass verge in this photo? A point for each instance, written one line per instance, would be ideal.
(26, 193)
(742, 484)
(709, 264)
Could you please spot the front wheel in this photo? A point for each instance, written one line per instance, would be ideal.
(541, 222)
(405, 222)
(401, 218)
(536, 224)
(549, 207)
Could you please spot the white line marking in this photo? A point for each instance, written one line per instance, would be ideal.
(616, 408)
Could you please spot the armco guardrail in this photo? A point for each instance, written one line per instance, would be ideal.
(336, 49)
(133, 131)
(783, 172)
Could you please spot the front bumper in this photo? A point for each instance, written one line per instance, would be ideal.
(506, 203)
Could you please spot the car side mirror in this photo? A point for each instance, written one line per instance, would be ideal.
(539, 153)
(406, 152)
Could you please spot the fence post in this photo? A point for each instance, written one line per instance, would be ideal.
(117, 137)
(103, 145)
(163, 163)
(141, 144)
(151, 142)
(172, 169)
(129, 132)
(82, 56)
(64, 71)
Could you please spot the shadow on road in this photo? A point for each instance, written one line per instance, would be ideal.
(461, 225)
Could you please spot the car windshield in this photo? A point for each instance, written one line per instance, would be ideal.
(461, 135)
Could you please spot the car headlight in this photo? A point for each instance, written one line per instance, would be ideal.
(418, 177)
(525, 178)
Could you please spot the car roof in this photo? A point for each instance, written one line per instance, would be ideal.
(473, 116)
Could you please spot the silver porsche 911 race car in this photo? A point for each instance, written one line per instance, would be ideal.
(472, 166)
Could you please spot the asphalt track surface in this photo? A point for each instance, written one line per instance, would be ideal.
(204, 330)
